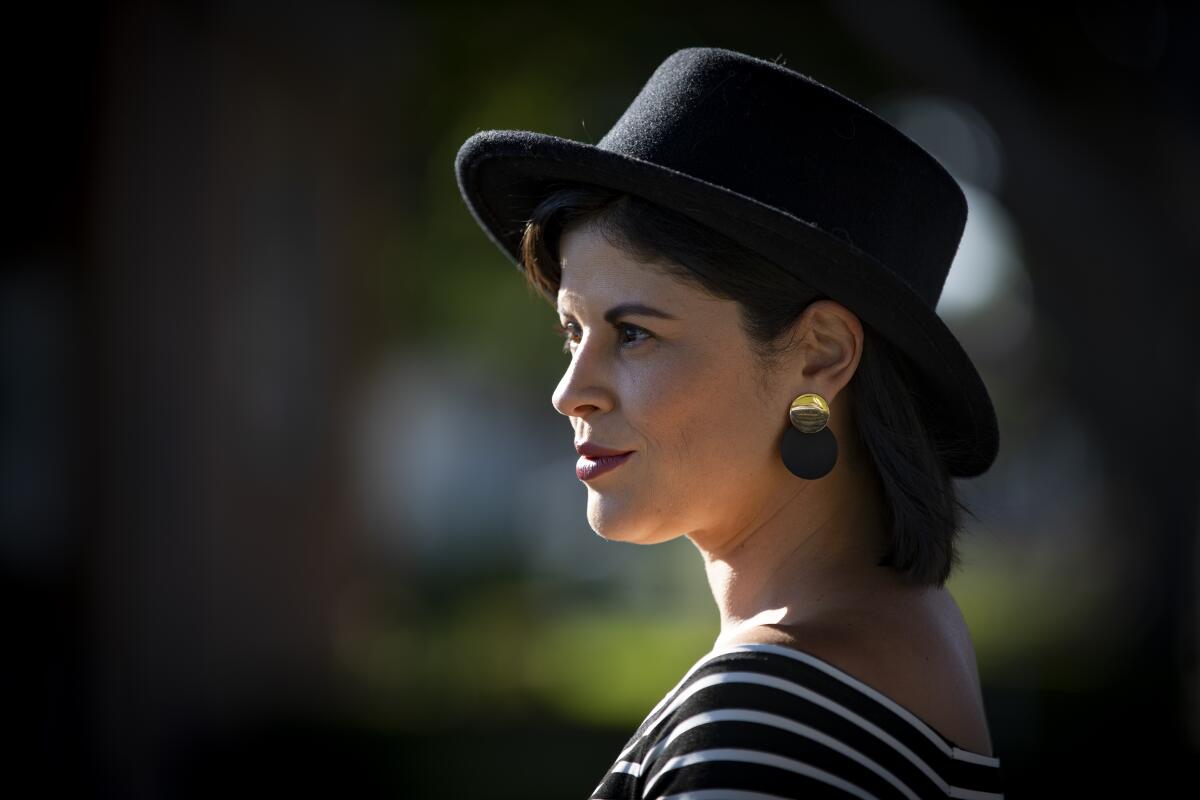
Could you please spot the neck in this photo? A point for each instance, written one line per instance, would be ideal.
(811, 553)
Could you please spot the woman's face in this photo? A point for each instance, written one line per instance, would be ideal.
(682, 392)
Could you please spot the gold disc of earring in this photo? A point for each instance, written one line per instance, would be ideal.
(809, 412)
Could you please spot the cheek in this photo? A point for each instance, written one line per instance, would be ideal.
(667, 405)
(709, 426)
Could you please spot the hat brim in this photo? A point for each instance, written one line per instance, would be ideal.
(504, 174)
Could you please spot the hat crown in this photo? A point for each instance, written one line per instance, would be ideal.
(769, 133)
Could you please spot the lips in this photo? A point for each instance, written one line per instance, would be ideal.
(593, 450)
(589, 467)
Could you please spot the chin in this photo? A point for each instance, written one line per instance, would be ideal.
(619, 521)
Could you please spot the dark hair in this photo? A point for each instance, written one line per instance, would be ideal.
(923, 510)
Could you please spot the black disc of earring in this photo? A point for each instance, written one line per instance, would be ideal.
(809, 455)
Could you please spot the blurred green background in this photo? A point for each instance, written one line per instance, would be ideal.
(252, 338)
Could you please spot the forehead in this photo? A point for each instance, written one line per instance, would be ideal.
(595, 272)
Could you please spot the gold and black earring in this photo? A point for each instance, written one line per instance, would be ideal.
(809, 448)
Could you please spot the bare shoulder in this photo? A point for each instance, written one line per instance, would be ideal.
(918, 653)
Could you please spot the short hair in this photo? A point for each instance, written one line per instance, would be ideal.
(922, 509)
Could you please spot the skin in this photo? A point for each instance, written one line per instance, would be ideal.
(789, 561)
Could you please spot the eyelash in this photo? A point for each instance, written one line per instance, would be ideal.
(565, 334)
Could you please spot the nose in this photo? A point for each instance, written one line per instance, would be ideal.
(585, 386)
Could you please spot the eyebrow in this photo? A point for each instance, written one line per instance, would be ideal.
(623, 309)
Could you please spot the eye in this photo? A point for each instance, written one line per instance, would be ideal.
(567, 332)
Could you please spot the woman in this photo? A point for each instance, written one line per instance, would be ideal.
(745, 271)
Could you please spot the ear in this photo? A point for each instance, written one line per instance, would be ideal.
(827, 346)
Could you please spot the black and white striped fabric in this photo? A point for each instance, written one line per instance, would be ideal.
(767, 722)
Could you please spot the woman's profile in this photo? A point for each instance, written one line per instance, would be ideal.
(745, 271)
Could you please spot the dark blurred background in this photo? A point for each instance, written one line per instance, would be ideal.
(250, 332)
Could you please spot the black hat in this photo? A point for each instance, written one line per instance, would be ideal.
(792, 170)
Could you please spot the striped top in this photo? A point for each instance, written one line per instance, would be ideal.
(767, 722)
